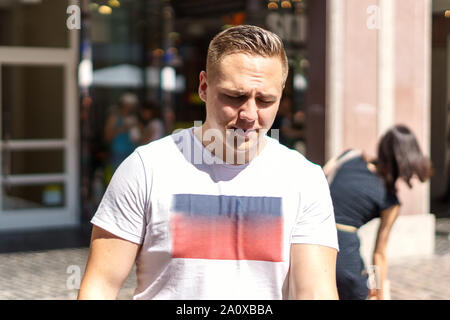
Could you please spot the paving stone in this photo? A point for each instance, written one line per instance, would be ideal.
(46, 274)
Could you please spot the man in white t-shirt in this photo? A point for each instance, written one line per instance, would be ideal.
(219, 211)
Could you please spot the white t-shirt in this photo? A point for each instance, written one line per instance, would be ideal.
(211, 230)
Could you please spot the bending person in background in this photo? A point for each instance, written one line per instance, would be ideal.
(362, 190)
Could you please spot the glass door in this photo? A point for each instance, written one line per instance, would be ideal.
(38, 122)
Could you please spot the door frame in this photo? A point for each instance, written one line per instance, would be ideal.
(69, 214)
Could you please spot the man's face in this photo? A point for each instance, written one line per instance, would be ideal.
(242, 97)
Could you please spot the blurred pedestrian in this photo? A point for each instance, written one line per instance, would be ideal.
(288, 133)
(362, 190)
(121, 130)
(152, 125)
(169, 119)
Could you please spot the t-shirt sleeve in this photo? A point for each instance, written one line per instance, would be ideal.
(124, 204)
(315, 223)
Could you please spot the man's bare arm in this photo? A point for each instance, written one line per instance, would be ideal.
(312, 273)
(110, 261)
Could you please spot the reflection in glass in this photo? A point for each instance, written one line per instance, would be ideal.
(32, 102)
(33, 196)
(36, 161)
(40, 23)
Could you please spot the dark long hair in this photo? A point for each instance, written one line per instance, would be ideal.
(399, 156)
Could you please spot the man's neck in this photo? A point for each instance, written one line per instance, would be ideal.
(226, 153)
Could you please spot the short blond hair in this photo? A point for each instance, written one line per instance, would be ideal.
(248, 39)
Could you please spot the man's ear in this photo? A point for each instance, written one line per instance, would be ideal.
(202, 86)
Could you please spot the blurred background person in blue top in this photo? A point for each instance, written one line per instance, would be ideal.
(152, 126)
(121, 131)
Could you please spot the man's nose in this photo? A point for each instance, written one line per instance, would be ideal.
(249, 111)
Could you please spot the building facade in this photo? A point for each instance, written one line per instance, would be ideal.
(356, 68)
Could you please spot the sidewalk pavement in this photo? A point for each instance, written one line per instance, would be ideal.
(55, 274)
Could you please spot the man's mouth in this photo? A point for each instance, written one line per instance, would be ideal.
(244, 132)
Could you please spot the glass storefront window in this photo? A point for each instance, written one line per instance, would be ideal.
(33, 196)
(34, 23)
(32, 102)
(36, 161)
